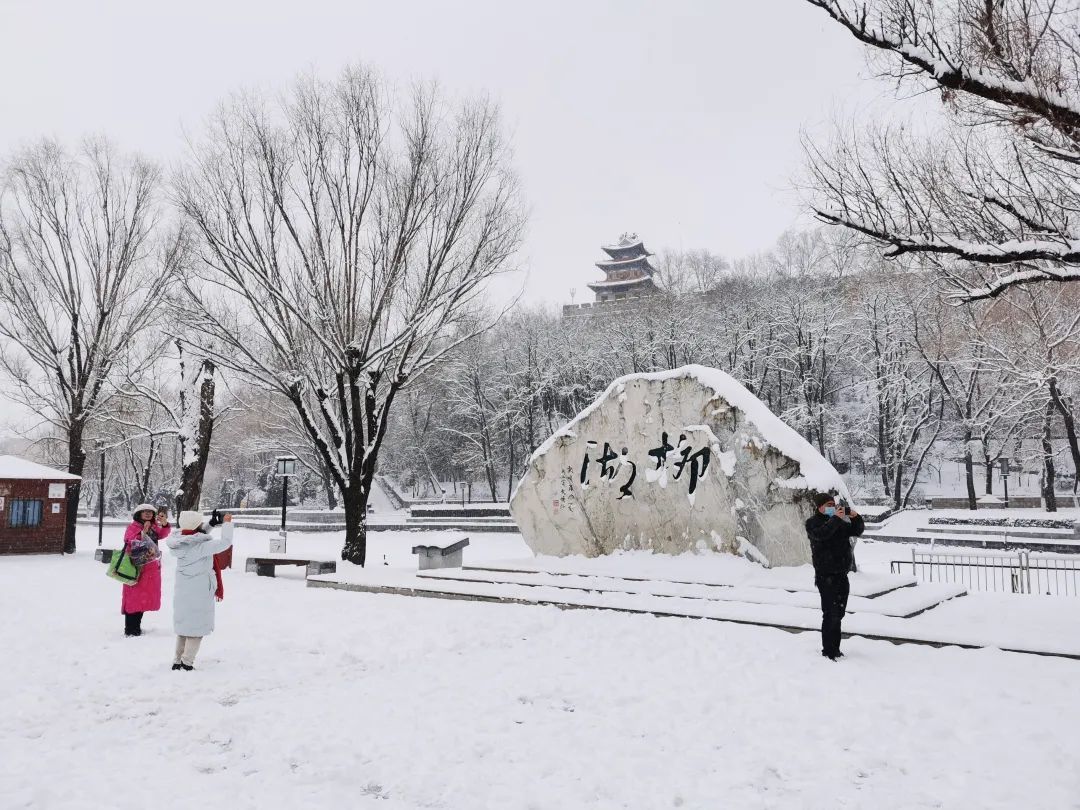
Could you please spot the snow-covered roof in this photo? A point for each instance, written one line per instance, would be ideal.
(816, 473)
(627, 240)
(628, 282)
(15, 468)
(615, 264)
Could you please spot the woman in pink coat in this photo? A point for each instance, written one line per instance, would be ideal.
(145, 594)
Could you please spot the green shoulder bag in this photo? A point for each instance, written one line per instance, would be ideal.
(122, 568)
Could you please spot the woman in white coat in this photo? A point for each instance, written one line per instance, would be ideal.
(193, 596)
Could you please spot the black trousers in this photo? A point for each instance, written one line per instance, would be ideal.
(834, 594)
(133, 624)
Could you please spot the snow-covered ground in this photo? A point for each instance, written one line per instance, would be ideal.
(324, 699)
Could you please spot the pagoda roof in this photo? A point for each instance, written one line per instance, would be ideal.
(626, 241)
(626, 264)
(629, 245)
(630, 282)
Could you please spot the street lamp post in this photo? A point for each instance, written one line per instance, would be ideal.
(286, 467)
(101, 493)
(1004, 461)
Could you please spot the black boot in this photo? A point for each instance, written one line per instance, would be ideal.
(132, 624)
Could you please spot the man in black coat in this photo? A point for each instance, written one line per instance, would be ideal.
(830, 530)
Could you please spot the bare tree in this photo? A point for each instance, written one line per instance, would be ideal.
(689, 271)
(991, 202)
(472, 400)
(907, 416)
(351, 233)
(82, 273)
(1036, 343)
(946, 339)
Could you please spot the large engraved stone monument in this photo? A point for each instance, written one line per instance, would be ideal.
(671, 462)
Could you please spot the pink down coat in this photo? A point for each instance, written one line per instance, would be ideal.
(145, 594)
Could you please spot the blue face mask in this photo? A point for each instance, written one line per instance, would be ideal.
(830, 511)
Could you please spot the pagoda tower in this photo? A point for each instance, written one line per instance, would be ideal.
(627, 269)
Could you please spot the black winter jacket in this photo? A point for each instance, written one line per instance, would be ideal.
(830, 542)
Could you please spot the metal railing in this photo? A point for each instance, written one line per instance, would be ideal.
(1019, 572)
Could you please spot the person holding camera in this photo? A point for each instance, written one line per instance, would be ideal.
(193, 597)
(148, 527)
(831, 530)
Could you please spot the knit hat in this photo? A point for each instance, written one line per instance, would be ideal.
(822, 498)
(190, 521)
(143, 507)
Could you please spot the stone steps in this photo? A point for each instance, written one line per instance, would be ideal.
(880, 627)
(903, 600)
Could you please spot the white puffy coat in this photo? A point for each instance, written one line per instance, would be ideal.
(193, 596)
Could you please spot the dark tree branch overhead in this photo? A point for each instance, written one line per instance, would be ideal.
(992, 204)
(908, 29)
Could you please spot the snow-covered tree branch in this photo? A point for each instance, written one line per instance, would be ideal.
(991, 202)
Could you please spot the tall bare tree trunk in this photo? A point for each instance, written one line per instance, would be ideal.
(194, 457)
(1049, 472)
(355, 548)
(1064, 407)
(144, 480)
(76, 465)
(969, 471)
(328, 485)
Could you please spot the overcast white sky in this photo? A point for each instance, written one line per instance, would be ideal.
(679, 120)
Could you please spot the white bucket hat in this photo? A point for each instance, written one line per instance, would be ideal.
(143, 507)
(189, 521)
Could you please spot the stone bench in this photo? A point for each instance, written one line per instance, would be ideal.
(265, 566)
(441, 554)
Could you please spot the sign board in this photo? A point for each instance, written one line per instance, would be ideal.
(277, 544)
(1, 503)
(56, 509)
(57, 491)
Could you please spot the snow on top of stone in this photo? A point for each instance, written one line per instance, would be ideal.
(15, 468)
(816, 471)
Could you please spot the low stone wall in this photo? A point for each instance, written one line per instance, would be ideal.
(474, 510)
(1020, 523)
(1015, 502)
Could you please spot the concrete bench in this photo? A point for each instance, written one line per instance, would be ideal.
(265, 566)
(104, 555)
(441, 554)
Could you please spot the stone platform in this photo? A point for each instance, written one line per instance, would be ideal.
(882, 607)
